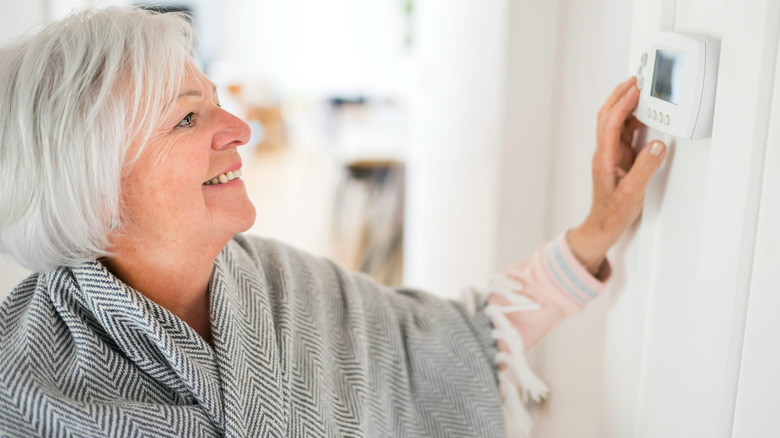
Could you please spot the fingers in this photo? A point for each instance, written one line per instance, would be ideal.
(634, 124)
(620, 174)
(648, 161)
(617, 93)
(610, 129)
(629, 128)
(616, 131)
(622, 109)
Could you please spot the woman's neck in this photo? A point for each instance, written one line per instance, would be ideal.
(172, 276)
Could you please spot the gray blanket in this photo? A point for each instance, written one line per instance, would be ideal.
(301, 347)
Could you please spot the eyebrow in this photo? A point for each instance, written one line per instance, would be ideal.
(197, 92)
(189, 93)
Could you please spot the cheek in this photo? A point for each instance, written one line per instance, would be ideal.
(167, 185)
(181, 184)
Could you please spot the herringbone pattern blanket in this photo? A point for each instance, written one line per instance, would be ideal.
(300, 348)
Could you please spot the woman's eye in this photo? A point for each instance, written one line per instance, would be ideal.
(186, 122)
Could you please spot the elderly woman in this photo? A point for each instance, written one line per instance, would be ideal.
(151, 315)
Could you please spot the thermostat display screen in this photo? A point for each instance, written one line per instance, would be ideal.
(667, 76)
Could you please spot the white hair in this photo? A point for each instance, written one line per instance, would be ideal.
(74, 97)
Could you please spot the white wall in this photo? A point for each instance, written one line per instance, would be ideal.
(661, 353)
(457, 135)
(648, 323)
(316, 47)
(17, 19)
(755, 407)
(749, 48)
(592, 54)
(524, 201)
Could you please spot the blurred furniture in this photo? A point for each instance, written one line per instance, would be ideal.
(368, 219)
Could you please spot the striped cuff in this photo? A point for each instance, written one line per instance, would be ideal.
(576, 284)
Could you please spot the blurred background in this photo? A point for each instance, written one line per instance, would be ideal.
(426, 142)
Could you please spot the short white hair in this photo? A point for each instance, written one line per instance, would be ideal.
(74, 96)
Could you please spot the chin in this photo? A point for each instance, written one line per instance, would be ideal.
(248, 219)
(231, 218)
(244, 218)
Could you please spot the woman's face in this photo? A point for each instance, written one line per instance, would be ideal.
(165, 197)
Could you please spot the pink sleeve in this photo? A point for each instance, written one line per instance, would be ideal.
(553, 278)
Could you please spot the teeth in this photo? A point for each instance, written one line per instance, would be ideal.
(225, 177)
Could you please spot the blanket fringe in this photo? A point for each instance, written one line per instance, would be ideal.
(518, 384)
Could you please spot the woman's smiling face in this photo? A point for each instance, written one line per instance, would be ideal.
(167, 192)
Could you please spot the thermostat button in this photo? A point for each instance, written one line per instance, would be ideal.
(660, 117)
(667, 120)
(644, 59)
(649, 113)
(639, 70)
(640, 81)
(655, 115)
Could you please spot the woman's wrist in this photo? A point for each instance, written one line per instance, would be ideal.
(590, 245)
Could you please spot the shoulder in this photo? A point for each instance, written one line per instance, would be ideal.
(281, 265)
(280, 268)
(303, 275)
(31, 306)
(272, 255)
(32, 333)
(17, 304)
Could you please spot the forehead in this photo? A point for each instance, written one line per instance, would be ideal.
(196, 83)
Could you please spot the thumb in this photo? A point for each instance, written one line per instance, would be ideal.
(648, 161)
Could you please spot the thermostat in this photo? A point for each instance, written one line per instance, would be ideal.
(677, 77)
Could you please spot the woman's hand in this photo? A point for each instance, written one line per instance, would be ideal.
(620, 176)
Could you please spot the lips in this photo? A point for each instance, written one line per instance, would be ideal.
(229, 173)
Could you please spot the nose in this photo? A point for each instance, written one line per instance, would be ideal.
(232, 133)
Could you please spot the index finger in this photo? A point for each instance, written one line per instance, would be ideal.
(617, 93)
(622, 110)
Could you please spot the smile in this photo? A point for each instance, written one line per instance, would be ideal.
(224, 178)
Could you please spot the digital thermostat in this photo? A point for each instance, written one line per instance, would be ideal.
(677, 77)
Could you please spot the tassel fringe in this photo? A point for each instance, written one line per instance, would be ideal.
(518, 385)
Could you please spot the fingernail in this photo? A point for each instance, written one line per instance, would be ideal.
(656, 148)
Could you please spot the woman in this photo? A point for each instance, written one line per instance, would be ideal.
(149, 312)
